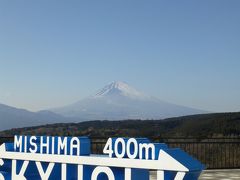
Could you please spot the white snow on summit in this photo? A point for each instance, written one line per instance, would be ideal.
(118, 87)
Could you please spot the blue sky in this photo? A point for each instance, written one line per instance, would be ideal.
(53, 53)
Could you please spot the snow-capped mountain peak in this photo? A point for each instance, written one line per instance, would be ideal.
(118, 100)
(119, 88)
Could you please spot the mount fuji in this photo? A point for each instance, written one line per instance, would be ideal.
(118, 100)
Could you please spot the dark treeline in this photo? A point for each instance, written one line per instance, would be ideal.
(204, 125)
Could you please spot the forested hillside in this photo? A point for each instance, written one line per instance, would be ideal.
(207, 125)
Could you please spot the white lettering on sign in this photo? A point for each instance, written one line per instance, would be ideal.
(145, 150)
(122, 149)
(75, 144)
(1, 176)
(33, 148)
(45, 175)
(22, 171)
(105, 170)
(108, 148)
(43, 145)
(47, 145)
(132, 142)
(18, 143)
(120, 142)
(62, 145)
(128, 154)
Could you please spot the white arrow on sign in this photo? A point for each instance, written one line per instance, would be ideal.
(165, 162)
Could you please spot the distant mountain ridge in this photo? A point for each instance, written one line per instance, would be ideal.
(11, 117)
(118, 100)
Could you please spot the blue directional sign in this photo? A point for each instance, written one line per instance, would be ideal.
(70, 158)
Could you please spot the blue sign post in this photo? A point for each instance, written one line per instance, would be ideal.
(70, 158)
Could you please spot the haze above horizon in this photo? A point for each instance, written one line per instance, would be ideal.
(54, 53)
